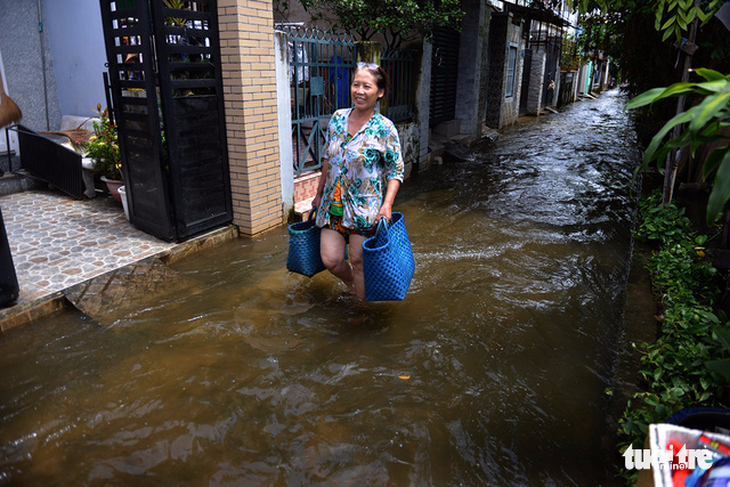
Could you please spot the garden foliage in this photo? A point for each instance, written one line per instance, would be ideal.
(675, 368)
(704, 123)
(103, 146)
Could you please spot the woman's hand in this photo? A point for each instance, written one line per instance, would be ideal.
(386, 211)
(317, 200)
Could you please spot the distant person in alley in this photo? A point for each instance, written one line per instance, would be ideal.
(362, 170)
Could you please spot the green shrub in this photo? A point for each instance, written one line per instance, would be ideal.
(675, 367)
(661, 224)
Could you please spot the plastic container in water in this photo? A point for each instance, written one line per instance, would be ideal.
(123, 194)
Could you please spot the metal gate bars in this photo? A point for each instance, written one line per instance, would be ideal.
(165, 74)
(320, 63)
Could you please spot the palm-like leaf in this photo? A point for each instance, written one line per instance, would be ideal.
(701, 124)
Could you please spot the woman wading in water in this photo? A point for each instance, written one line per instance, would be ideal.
(362, 170)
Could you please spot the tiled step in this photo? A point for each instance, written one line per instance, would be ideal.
(302, 209)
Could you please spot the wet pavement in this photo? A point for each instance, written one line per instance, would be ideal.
(81, 251)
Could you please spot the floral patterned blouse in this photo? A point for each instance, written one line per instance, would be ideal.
(363, 167)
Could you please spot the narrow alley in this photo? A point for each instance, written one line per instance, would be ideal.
(492, 371)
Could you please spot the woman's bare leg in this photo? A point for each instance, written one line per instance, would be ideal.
(332, 248)
(358, 275)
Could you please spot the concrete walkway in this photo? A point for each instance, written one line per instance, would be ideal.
(59, 243)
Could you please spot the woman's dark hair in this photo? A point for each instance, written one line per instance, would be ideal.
(381, 77)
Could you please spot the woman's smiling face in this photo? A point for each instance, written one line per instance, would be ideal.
(364, 90)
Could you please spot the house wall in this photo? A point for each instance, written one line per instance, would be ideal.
(249, 84)
(28, 64)
(474, 31)
(503, 110)
(283, 102)
(76, 39)
(423, 107)
(69, 50)
(511, 108)
(484, 65)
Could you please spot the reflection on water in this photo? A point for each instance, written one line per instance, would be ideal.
(491, 372)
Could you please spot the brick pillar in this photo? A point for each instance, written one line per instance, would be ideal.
(249, 85)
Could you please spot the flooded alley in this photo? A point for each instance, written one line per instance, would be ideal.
(492, 371)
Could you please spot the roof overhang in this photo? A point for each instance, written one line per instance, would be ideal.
(539, 14)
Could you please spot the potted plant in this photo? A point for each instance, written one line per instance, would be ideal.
(103, 149)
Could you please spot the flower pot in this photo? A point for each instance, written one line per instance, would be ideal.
(123, 193)
(113, 187)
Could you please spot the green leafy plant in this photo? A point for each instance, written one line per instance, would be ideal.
(678, 268)
(659, 27)
(396, 20)
(103, 147)
(661, 224)
(722, 365)
(570, 58)
(672, 17)
(177, 5)
(702, 124)
(676, 369)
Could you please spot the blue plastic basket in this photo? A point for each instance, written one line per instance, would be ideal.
(388, 261)
(304, 254)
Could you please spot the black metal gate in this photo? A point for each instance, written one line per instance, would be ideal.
(552, 73)
(320, 63)
(164, 65)
(444, 75)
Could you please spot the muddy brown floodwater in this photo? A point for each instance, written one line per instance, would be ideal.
(491, 372)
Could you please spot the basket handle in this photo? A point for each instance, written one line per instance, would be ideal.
(382, 223)
(312, 213)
